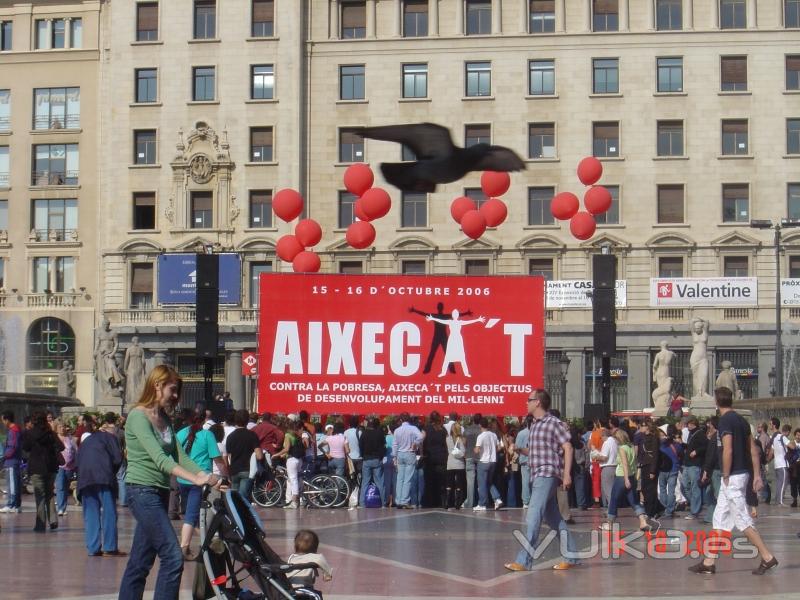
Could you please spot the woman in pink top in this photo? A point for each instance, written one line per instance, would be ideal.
(337, 448)
(67, 470)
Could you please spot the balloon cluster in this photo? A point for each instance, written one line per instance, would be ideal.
(372, 203)
(596, 200)
(492, 213)
(287, 204)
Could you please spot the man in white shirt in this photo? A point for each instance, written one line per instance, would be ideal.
(779, 444)
(452, 418)
(608, 465)
(486, 449)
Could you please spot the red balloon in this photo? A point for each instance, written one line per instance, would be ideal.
(473, 224)
(590, 170)
(494, 211)
(375, 203)
(306, 262)
(288, 248)
(358, 211)
(308, 232)
(461, 205)
(564, 205)
(495, 183)
(582, 225)
(597, 200)
(360, 234)
(358, 178)
(287, 204)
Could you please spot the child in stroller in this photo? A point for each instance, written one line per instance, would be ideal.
(306, 544)
(236, 555)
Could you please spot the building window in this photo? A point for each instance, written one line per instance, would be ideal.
(735, 203)
(670, 266)
(415, 18)
(50, 342)
(261, 144)
(203, 88)
(479, 79)
(542, 78)
(605, 139)
(732, 14)
(5, 35)
(541, 140)
(41, 42)
(146, 21)
(55, 164)
(670, 204)
(541, 267)
(415, 80)
(2, 273)
(263, 16)
(144, 210)
(55, 220)
(792, 136)
(144, 147)
(351, 82)
(354, 20)
(735, 266)
(256, 269)
(205, 19)
(58, 33)
(146, 85)
(605, 15)
(5, 166)
(346, 209)
(260, 208)
(669, 15)
(202, 216)
(539, 205)
(351, 267)
(793, 200)
(670, 138)
(605, 78)
(351, 146)
(669, 73)
(415, 209)
(611, 216)
(262, 82)
(142, 285)
(542, 16)
(76, 33)
(413, 267)
(791, 14)
(733, 73)
(5, 110)
(3, 217)
(477, 134)
(734, 137)
(479, 17)
(478, 266)
(476, 195)
(57, 108)
(794, 267)
(53, 274)
(792, 77)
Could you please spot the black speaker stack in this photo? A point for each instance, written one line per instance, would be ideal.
(604, 276)
(207, 322)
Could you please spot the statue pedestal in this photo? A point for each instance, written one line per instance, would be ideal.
(703, 406)
(111, 402)
(659, 411)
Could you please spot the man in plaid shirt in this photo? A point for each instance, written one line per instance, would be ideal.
(549, 459)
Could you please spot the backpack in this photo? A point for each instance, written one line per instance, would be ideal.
(791, 454)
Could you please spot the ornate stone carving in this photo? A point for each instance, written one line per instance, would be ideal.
(200, 168)
(169, 211)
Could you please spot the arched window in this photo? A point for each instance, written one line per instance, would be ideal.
(50, 342)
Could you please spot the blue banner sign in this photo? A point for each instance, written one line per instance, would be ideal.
(177, 279)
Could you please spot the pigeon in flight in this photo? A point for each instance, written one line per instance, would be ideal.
(437, 159)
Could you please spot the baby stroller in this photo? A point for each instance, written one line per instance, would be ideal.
(238, 561)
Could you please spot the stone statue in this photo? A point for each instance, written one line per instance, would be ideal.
(662, 379)
(105, 364)
(134, 371)
(727, 378)
(66, 380)
(698, 361)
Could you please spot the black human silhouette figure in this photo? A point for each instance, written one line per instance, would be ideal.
(439, 334)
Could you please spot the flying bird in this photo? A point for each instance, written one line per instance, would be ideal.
(437, 159)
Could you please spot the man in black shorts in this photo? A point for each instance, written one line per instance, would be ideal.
(739, 458)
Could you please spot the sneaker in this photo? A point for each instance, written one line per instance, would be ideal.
(690, 517)
(479, 509)
(524, 507)
(291, 505)
(564, 566)
(7, 509)
(498, 504)
(703, 568)
(514, 566)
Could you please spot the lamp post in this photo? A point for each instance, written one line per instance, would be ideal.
(777, 228)
(771, 376)
(563, 367)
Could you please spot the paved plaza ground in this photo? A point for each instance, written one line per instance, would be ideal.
(413, 554)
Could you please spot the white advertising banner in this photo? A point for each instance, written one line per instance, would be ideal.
(576, 293)
(711, 291)
(790, 292)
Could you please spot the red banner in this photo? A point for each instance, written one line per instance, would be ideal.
(386, 344)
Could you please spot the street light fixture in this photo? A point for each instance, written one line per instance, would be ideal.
(563, 366)
(777, 227)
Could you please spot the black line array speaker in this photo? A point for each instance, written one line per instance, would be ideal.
(207, 305)
(595, 411)
(604, 270)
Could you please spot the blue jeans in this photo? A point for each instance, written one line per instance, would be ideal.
(417, 485)
(716, 476)
(63, 477)
(619, 491)
(526, 483)
(485, 485)
(242, 483)
(544, 507)
(154, 536)
(692, 491)
(511, 490)
(579, 481)
(470, 495)
(666, 487)
(389, 481)
(191, 495)
(336, 466)
(372, 471)
(406, 471)
(99, 518)
(122, 497)
(14, 483)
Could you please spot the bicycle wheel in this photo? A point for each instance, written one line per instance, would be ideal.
(321, 491)
(344, 489)
(268, 493)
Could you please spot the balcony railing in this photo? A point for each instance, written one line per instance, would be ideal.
(3, 179)
(68, 122)
(53, 235)
(54, 178)
(178, 315)
(57, 299)
(5, 123)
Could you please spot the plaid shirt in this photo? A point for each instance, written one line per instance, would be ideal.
(545, 454)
